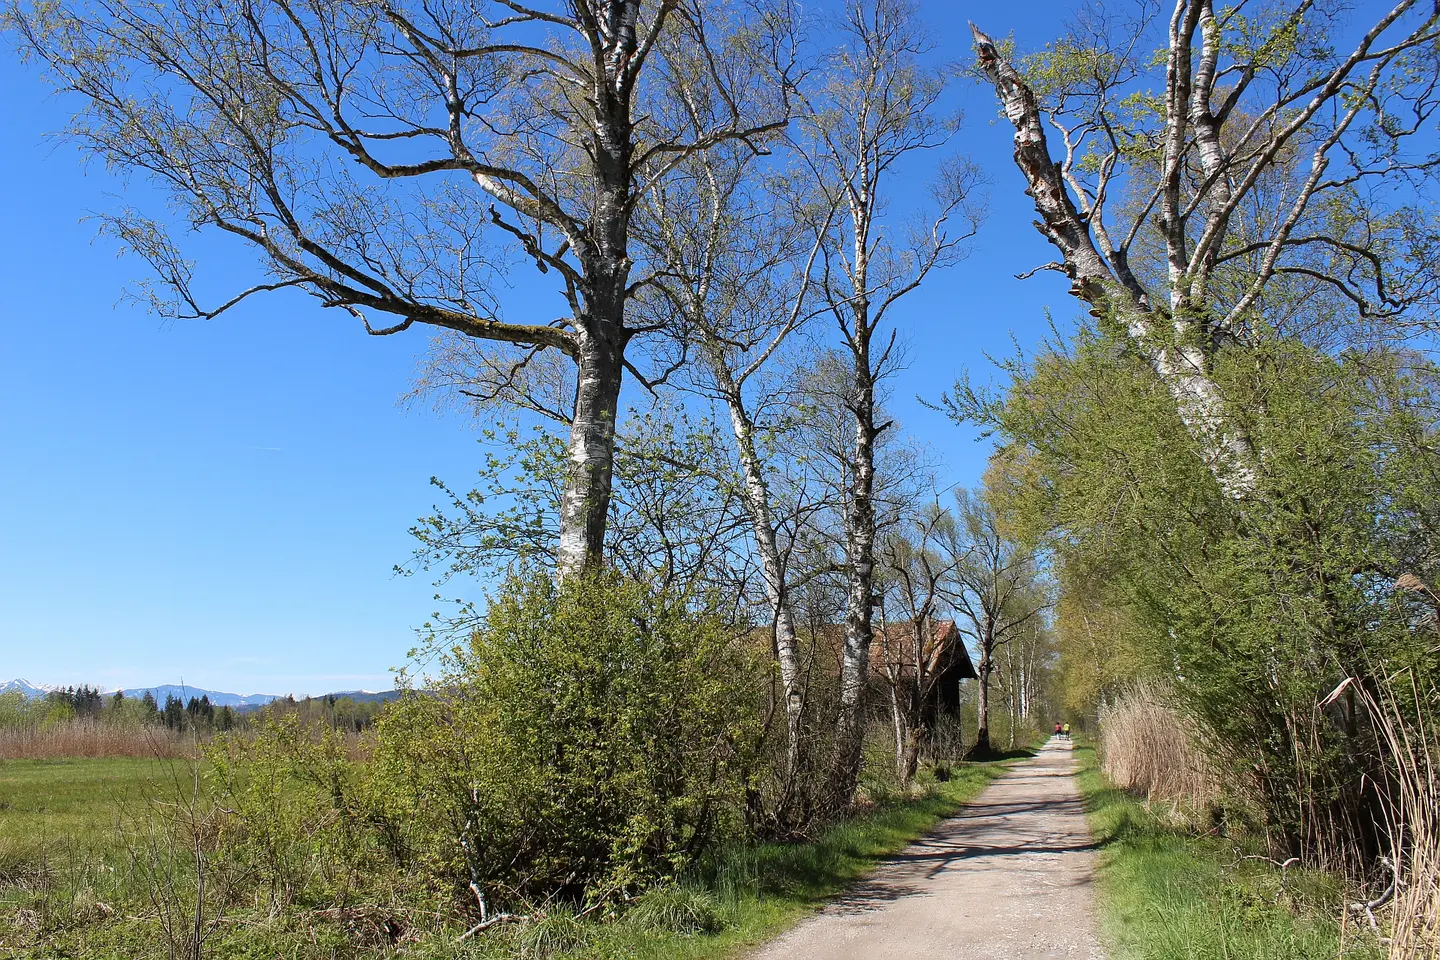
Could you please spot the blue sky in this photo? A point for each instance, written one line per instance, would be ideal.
(223, 502)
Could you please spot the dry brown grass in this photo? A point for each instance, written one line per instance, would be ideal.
(1413, 742)
(1146, 747)
(88, 738)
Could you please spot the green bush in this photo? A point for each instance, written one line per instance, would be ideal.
(1251, 611)
(303, 822)
(593, 737)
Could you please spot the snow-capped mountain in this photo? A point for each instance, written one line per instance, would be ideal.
(25, 687)
(218, 698)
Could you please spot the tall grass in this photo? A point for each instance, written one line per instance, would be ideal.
(1412, 740)
(82, 738)
(1148, 748)
(1170, 893)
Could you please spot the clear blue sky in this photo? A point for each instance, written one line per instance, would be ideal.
(223, 502)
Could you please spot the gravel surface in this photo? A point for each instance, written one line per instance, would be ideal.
(1010, 878)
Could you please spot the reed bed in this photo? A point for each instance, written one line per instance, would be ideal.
(1147, 748)
(1412, 739)
(93, 739)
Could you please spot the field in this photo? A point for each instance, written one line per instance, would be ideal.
(84, 874)
(76, 803)
(63, 855)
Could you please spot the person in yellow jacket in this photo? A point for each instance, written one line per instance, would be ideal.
(1066, 731)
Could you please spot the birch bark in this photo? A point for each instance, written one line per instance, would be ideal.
(772, 565)
(1218, 71)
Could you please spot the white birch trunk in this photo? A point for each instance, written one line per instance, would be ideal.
(772, 568)
(860, 567)
(585, 504)
(1168, 342)
(982, 702)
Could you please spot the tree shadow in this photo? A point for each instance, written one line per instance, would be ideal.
(976, 755)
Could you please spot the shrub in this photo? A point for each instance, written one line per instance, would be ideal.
(591, 738)
(304, 823)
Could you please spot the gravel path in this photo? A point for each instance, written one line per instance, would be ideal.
(1010, 878)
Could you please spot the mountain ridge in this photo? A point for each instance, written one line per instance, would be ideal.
(219, 698)
(21, 685)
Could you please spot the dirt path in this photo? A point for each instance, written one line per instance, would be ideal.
(1010, 878)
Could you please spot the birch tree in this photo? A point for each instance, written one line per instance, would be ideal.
(739, 241)
(1262, 148)
(918, 573)
(1023, 667)
(363, 151)
(874, 107)
(997, 595)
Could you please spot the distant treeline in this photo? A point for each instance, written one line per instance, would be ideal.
(195, 714)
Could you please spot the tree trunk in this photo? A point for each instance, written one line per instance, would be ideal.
(1014, 711)
(910, 763)
(600, 329)
(772, 569)
(1181, 365)
(909, 731)
(585, 505)
(602, 337)
(982, 731)
(898, 722)
(860, 564)
(914, 732)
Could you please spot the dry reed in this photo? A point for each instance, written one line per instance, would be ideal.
(89, 738)
(1412, 740)
(1146, 747)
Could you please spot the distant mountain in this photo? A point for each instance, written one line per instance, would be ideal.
(25, 687)
(252, 701)
(218, 698)
(364, 696)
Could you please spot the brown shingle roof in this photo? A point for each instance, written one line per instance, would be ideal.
(893, 647)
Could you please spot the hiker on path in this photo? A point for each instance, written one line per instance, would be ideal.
(1067, 731)
(1057, 729)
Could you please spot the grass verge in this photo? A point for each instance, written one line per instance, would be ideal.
(760, 891)
(68, 888)
(1167, 893)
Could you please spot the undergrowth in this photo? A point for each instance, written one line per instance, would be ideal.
(1172, 892)
(738, 897)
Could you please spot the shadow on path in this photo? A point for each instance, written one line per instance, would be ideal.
(1009, 877)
